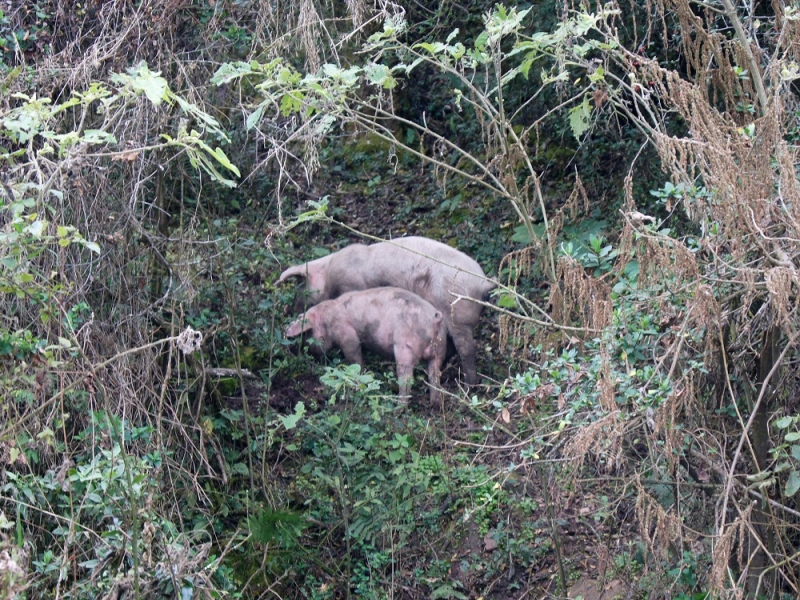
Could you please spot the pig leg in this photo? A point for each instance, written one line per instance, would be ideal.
(351, 347)
(434, 378)
(405, 358)
(465, 345)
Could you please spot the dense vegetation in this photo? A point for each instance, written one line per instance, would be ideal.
(627, 173)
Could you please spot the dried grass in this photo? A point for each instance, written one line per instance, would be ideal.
(660, 530)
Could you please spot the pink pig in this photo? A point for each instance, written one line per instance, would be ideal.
(387, 320)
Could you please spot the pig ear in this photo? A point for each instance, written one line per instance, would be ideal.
(295, 271)
(299, 326)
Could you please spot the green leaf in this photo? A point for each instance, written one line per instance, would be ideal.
(222, 159)
(598, 75)
(290, 103)
(783, 422)
(254, 117)
(62, 231)
(98, 136)
(291, 421)
(230, 71)
(580, 117)
(90, 564)
(9, 262)
(792, 436)
(199, 114)
(792, 484)
(36, 228)
(796, 452)
(434, 48)
(380, 75)
(447, 591)
(521, 235)
(507, 301)
(94, 247)
(240, 468)
(142, 80)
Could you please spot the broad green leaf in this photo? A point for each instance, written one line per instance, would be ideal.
(240, 468)
(36, 228)
(507, 301)
(380, 75)
(62, 231)
(783, 422)
(254, 117)
(92, 246)
(434, 48)
(324, 123)
(447, 591)
(792, 436)
(287, 76)
(796, 452)
(144, 81)
(792, 484)
(200, 115)
(98, 136)
(230, 71)
(290, 421)
(580, 117)
(223, 159)
(9, 262)
(598, 75)
(290, 103)
(457, 51)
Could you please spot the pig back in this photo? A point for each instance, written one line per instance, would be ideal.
(434, 271)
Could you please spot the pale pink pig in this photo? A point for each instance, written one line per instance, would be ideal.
(431, 270)
(386, 320)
